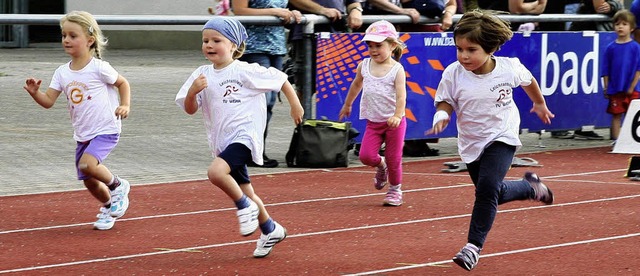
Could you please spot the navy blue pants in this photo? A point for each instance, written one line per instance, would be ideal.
(487, 174)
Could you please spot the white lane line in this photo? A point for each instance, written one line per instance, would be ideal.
(413, 266)
(230, 209)
(315, 234)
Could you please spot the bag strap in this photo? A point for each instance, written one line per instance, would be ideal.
(293, 147)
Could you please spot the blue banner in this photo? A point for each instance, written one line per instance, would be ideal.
(565, 64)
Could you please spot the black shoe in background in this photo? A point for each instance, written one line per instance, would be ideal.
(562, 135)
(266, 163)
(269, 163)
(587, 135)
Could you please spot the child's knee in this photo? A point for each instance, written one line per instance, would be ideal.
(370, 160)
(85, 168)
(214, 175)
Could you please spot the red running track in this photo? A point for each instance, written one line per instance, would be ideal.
(337, 225)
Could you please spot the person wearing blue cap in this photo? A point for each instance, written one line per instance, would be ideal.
(231, 94)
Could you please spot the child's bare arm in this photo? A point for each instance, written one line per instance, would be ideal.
(401, 99)
(539, 104)
(634, 82)
(124, 89)
(297, 112)
(190, 102)
(46, 99)
(354, 90)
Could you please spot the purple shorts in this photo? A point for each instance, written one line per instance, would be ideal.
(98, 147)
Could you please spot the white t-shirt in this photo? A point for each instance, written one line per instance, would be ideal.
(91, 98)
(378, 102)
(484, 104)
(234, 104)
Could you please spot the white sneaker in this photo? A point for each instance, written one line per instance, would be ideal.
(248, 218)
(468, 257)
(105, 220)
(120, 199)
(266, 242)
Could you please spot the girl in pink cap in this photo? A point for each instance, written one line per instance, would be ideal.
(382, 79)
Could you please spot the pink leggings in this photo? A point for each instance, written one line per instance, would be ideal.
(374, 135)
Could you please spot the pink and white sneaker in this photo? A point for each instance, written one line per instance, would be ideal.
(382, 175)
(393, 196)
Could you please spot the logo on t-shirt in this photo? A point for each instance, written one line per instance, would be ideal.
(505, 96)
(230, 88)
(75, 91)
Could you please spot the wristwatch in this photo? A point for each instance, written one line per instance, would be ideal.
(355, 8)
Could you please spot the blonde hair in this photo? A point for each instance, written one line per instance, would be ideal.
(397, 51)
(239, 51)
(91, 29)
(484, 28)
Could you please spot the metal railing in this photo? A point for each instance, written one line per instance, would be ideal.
(308, 20)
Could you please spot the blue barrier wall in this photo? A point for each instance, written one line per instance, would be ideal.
(566, 65)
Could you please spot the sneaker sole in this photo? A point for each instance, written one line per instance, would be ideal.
(388, 203)
(461, 263)
(95, 227)
(379, 187)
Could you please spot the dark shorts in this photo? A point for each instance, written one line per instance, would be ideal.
(237, 156)
(619, 102)
(98, 147)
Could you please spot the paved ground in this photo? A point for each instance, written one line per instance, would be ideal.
(160, 143)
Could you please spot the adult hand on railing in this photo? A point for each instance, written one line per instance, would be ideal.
(354, 16)
(603, 8)
(332, 14)
(413, 13)
(289, 16)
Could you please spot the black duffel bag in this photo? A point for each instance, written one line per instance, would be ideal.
(321, 144)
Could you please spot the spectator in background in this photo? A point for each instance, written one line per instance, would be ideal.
(390, 7)
(515, 7)
(334, 11)
(635, 9)
(266, 45)
(620, 70)
(571, 7)
(590, 7)
(606, 7)
(442, 9)
(554, 7)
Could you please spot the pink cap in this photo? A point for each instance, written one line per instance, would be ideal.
(379, 31)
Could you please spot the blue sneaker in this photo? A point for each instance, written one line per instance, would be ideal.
(120, 199)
